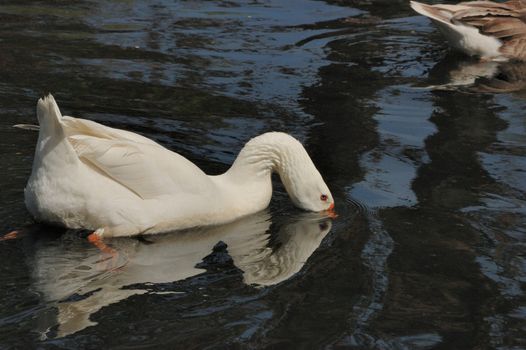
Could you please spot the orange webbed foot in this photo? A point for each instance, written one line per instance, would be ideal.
(109, 257)
(11, 235)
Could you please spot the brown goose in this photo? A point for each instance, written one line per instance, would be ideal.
(487, 29)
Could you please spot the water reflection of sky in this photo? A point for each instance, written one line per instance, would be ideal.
(392, 166)
(252, 54)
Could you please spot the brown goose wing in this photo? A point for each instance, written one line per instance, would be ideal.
(504, 21)
(515, 48)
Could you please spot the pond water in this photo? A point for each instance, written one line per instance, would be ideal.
(424, 152)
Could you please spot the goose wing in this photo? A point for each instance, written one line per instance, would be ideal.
(78, 126)
(500, 20)
(143, 166)
(504, 21)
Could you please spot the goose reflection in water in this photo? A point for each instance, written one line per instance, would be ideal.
(78, 281)
(454, 73)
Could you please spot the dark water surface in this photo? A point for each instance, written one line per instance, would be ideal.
(424, 151)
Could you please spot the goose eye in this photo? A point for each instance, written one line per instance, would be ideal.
(324, 197)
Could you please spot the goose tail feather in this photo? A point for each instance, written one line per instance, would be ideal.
(49, 116)
(432, 12)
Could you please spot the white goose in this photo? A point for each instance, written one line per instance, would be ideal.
(86, 175)
(487, 29)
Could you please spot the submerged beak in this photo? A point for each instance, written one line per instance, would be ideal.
(330, 212)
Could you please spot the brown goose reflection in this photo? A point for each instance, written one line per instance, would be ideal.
(74, 279)
(453, 73)
(510, 77)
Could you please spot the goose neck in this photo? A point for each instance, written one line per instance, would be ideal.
(271, 152)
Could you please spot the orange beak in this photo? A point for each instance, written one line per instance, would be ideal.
(330, 212)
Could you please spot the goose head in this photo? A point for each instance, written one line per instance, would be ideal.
(306, 187)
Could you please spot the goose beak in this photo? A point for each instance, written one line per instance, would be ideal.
(330, 212)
